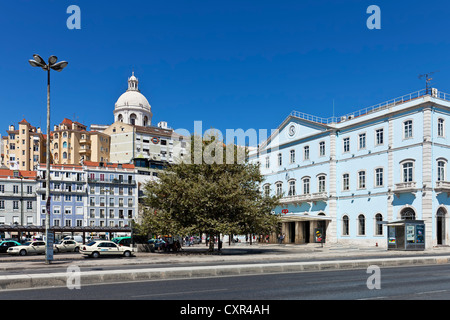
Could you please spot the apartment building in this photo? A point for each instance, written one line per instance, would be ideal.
(23, 148)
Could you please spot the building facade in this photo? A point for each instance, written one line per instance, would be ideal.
(71, 143)
(23, 148)
(93, 194)
(350, 175)
(17, 197)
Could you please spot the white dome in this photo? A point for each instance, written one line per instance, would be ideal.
(132, 107)
(133, 99)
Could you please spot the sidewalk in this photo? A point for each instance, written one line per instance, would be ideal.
(240, 259)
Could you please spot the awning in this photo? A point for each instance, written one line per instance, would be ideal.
(303, 217)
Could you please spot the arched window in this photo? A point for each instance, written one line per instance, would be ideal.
(133, 119)
(65, 155)
(120, 118)
(321, 183)
(55, 146)
(306, 185)
(378, 225)
(292, 188)
(408, 214)
(65, 144)
(145, 122)
(345, 226)
(279, 186)
(361, 225)
(408, 171)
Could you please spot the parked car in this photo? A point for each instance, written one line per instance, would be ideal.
(122, 241)
(5, 245)
(31, 247)
(76, 238)
(67, 246)
(98, 248)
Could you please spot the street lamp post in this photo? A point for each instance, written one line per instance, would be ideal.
(57, 66)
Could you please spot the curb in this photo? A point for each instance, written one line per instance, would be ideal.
(97, 277)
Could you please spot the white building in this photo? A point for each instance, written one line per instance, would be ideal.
(349, 174)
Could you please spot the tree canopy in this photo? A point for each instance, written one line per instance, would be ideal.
(213, 196)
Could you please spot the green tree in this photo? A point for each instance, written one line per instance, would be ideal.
(211, 191)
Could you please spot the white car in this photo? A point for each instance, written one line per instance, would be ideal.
(31, 247)
(99, 248)
(66, 246)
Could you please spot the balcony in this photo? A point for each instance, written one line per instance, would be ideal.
(442, 187)
(405, 187)
(301, 198)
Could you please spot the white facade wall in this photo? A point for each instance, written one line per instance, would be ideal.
(345, 158)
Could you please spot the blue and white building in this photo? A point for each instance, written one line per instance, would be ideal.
(347, 174)
(94, 194)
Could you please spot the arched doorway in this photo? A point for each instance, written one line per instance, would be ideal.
(408, 214)
(440, 226)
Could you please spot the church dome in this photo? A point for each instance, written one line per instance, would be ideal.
(133, 97)
(132, 107)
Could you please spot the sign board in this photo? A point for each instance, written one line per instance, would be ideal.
(410, 233)
(420, 233)
(50, 242)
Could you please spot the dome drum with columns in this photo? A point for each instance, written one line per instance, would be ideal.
(132, 107)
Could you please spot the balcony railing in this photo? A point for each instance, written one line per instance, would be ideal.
(117, 181)
(378, 107)
(442, 186)
(405, 187)
(307, 197)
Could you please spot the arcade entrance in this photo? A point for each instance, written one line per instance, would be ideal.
(299, 229)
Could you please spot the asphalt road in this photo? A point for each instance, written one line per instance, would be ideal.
(405, 283)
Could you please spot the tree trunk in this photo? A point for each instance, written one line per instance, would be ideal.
(211, 243)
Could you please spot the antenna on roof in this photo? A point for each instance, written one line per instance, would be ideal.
(427, 80)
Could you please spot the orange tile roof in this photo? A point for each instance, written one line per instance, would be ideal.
(108, 165)
(5, 173)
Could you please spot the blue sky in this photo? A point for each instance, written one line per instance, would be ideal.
(231, 64)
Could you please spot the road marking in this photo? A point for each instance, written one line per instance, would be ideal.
(174, 293)
(430, 292)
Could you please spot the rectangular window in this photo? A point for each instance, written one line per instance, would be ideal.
(292, 158)
(362, 180)
(379, 136)
(346, 144)
(267, 163)
(280, 159)
(345, 182)
(379, 177)
(408, 127)
(306, 153)
(322, 149)
(362, 141)
(440, 127)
